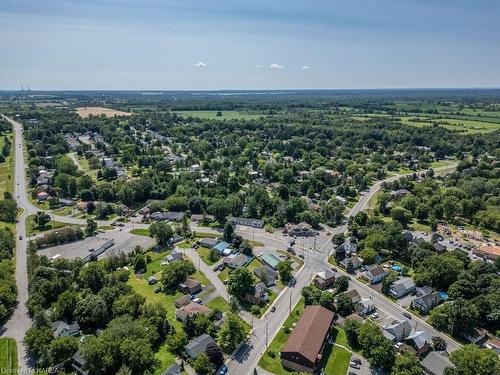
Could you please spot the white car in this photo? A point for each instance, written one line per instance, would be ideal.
(374, 315)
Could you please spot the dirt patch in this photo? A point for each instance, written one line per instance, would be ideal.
(108, 112)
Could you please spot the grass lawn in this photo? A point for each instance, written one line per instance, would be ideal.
(212, 115)
(165, 359)
(206, 235)
(204, 254)
(65, 211)
(255, 263)
(6, 168)
(8, 355)
(336, 360)
(107, 227)
(219, 303)
(270, 361)
(33, 228)
(141, 232)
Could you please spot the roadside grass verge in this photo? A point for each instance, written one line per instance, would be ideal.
(8, 355)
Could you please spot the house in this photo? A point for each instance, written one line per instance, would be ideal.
(78, 363)
(402, 287)
(198, 345)
(426, 302)
(299, 230)
(270, 260)
(158, 216)
(173, 257)
(436, 362)
(493, 344)
(325, 279)
(354, 260)
(399, 193)
(190, 286)
(354, 316)
(175, 216)
(182, 300)
(198, 218)
(236, 261)
(364, 307)
(353, 295)
(397, 330)
(266, 274)
(66, 202)
(190, 309)
(175, 239)
(247, 222)
(348, 247)
(304, 347)
(42, 196)
(341, 200)
(420, 341)
(374, 274)
(208, 242)
(258, 295)
(173, 369)
(63, 329)
(221, 246)
(476, 336)
(144, 211)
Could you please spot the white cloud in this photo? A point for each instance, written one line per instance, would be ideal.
(276, 66)
(259, 66)
(305, 67)
(201, 64)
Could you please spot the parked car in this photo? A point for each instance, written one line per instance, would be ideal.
(222, 370)
(20, 238)
(157, 289)
(374, 315)
(407, 315)
(197, 300)
(273, 309)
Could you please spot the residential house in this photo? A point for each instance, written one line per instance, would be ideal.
(426, 302)
(182, 300)
(247, 222)
(78, 364)
(493, 344)
(353, 295)
(402, 287)
(364, 307)
(436, 362)
(175, 216)
(399, 193)
(439, 248)
(325, 279)
(190, 286)
(304, 347)
(476, 336)
(173, 369)
(221, 247)
(190, 309)
(236, 261)
(258, 295)
(158, 216)
(144, 211)
(299, 230)
(348, 247)
(266, 274)
(397, 330)
(354, 260)
(270, 260)
(62, 329)
(374, 274)
(341, 200)
(420, 341)
(42, 196)
(208, 242)
(198, 345)
(173, 257)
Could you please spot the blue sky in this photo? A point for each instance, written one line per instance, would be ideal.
(254, 44)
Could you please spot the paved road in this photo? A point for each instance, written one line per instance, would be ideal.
(19, 322)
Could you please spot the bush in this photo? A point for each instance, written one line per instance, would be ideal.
(255, 310)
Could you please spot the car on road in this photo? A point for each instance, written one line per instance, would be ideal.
(273, 309)
(407, 315)
(301, 256)
(374, 315)
(222, 370)
(354, 365)
(20, 238)
(91, 250)
(292, 281)
(197, 300)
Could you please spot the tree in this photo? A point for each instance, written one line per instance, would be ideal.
(41, 219)
(438, 343)
(376, 348)
(401, 215)
(8, 210)
(368, 255)
(215, 354)
(231, 334)
(344, 304)
(137, 354)
(177, 341)
(351, 329)
(406, 364)
(176, 273)
(388, 280)
(285, 271)
(65, 305)
(228, 232)
(326, 300)
(342, 284)
(91, 227)
(92, 276)
(240, 282)
(161, 231)
(472, 360)
(203, 366)
(234, 304)
(37, 342)
(62, 349)
(91, 312)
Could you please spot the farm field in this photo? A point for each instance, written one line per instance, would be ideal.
(212, 115)
(85, 112)
(8, 356)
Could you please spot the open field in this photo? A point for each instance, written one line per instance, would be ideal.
(212, 115)
(8, 356)
(6, 173)
(85, 112)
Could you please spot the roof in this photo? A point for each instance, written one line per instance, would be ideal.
(420, 338)
(403, 284)
(245, 221)
(352, 293)
(173, 369)
(428, 300)
(221, 246)
(193, 308)
(183, 300)
(376, 271)
(190, 283)
(310, 332)
(199, 344)
(209, 242)
(326, 275)
(397, 330)
(435, 362)
(270, 260)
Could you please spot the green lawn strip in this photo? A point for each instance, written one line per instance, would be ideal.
(8, 355)
(165, 359)
(206, 235)
(107, 227)
(255, 263)
(336, 360)
(141, 232)
(204, 254)
(6, 168)
(33, 228)
(218, 303)
(65, 211)
(270, 361)
(224, 274)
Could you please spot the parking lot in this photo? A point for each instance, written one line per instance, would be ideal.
(124, 241)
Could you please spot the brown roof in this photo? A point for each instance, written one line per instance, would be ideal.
(352, 293)
(310, 332)
(191, 283)
(377, 271)
(194, 308)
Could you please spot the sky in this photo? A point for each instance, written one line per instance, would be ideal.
(252, 44)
